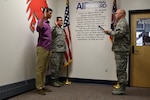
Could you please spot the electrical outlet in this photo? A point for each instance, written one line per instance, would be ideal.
(106, 70)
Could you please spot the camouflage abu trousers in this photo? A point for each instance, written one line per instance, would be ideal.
(57, 59)
(121, 66)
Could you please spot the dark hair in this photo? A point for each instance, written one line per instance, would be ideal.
(47, 9)
(57, 18)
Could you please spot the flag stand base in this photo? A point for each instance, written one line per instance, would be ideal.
(67, 82)
(117, 85)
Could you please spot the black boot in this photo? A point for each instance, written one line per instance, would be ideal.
(61, 83)
(55, 83)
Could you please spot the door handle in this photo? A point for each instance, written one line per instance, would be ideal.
(133, 49)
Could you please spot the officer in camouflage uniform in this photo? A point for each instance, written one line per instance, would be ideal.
(58, 49)
(121, 48)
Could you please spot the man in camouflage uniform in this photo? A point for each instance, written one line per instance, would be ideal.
(58, 49)
(121, 48)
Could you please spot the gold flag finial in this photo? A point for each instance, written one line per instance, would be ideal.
(67, 2)
(114, 1)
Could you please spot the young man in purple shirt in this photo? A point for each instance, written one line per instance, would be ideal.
(43, 50)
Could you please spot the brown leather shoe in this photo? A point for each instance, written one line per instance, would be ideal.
(47, 89)
(41, 92)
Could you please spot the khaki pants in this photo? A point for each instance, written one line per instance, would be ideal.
(43, 57)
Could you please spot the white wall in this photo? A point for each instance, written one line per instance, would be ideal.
(17, 42)
(17, 58)
(18, 53)
(133, 5)
(91, 59)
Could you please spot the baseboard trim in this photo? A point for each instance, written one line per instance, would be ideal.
(81, 80)
(14, 89)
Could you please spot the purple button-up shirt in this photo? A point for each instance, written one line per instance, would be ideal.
(45, 35)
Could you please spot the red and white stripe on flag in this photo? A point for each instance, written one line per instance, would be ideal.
(114, 9)
(68, 53)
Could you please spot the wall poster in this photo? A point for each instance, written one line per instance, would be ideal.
(143, 32)
(89, 15)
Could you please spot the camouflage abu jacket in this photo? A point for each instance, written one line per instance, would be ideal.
(121, 36)
(58, 40)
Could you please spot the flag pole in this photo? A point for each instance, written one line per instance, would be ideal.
(67, 72)
(68, 54)
(67, 78)
(114, 9)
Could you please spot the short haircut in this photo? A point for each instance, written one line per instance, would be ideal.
(47, 10)
(123, 11)
(57, 18)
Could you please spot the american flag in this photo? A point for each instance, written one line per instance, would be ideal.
(68, 53)
(114, 9)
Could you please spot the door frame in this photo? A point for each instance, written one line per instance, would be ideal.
(131, 12)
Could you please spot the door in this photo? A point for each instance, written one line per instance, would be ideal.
(140, 42)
